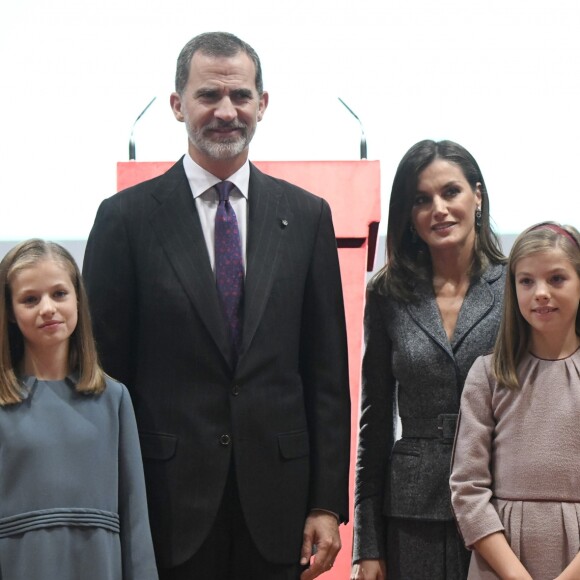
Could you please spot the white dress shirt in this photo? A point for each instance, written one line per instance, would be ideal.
(206, 201)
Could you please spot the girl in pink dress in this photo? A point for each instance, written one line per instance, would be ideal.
(515, 478)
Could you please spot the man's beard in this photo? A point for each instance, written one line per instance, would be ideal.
(226, 148)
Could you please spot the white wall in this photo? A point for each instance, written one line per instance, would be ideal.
(499, 76)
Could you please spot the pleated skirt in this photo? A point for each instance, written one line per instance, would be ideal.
(544, 535)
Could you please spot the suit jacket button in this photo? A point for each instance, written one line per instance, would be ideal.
(225, 440)
(235, 390)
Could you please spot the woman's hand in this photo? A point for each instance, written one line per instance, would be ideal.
(369, 570)
(496, 551)
(571, 571)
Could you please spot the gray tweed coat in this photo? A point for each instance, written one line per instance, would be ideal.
(411, 368)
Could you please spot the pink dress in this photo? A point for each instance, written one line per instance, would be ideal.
(516, 464)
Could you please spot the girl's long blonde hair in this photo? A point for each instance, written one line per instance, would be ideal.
(83, 356)
(514, 332)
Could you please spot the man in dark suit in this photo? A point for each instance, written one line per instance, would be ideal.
(241, 391)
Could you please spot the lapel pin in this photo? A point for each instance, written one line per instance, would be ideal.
(284, 223)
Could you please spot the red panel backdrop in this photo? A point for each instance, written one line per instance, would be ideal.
(352, 188)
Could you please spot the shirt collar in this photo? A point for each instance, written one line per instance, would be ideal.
(201, 180)
(28, 382)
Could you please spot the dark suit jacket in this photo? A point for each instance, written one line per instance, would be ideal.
(411, 367)
(282, 414)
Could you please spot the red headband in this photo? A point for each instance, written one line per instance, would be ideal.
(558, 230)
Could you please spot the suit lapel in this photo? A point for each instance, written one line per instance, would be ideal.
(266, 212)
(426, 315)
(478, 301)
(177, 226)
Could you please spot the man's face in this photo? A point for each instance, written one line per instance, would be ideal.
(220, 107)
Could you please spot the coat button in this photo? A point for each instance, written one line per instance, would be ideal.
(235, 390)
(225, 440)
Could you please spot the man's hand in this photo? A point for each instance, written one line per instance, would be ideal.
(320, 530)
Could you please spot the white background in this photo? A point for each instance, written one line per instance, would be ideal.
(501, 77)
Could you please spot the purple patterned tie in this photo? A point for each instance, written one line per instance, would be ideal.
(229, 267)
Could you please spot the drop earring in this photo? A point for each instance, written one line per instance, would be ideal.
(478, 220)
(413, 233)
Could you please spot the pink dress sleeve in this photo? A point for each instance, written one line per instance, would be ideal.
(471, 476)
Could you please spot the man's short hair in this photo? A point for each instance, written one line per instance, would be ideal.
(217, 44)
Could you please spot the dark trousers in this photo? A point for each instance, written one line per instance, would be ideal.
(418, 549)
(228, 552)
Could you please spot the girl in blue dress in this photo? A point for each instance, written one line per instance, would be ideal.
(72, 493)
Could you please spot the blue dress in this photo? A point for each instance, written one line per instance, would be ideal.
(72, 492)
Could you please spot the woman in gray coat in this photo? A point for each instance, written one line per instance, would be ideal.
(431, 311)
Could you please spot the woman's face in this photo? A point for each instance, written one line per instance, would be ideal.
(444, 208)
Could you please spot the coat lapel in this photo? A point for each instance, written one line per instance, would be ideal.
(266, 214)
(426, 315)
(177, 226)
(478, 301)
